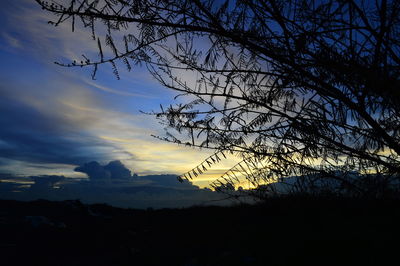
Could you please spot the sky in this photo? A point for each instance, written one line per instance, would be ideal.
(54, 119)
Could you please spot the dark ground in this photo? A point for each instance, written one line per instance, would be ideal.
(288, 231)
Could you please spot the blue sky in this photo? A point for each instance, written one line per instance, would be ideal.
(54, 118)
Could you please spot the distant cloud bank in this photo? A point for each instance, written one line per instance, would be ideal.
(112, 184)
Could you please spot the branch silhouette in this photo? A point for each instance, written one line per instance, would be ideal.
(294, 88)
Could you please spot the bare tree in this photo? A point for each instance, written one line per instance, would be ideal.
(294, 87)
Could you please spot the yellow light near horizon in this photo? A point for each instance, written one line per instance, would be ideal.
(22, 182)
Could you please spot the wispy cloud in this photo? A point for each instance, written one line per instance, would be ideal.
(56, 117)
(12, 42)
(118, 92)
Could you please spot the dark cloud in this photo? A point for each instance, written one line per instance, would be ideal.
(110, 183)
(36, 135)
(167, 181)
(7, 188)
(94, 170)
(46, 181)
(118, 170)
(161, 191)
(6, 176)
(114, 170)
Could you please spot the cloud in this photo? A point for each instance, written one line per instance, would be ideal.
(117, 91)
(94, 170)
(157, 191)
(11, 40)
(46, 181)
(55, 116)
(118, 170)
(34, 135)
(30, 23)
(168, 181)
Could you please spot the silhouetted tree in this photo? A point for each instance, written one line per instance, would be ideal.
(294, 87)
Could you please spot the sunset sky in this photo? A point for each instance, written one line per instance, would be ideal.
(54, 118)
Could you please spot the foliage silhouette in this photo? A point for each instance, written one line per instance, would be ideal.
(295, 88)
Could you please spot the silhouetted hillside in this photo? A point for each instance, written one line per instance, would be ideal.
(282, 231)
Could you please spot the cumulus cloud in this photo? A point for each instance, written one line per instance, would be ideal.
(114, 170)
(94, 170)
(118, 170)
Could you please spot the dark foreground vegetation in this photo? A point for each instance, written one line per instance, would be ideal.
(284, 231)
